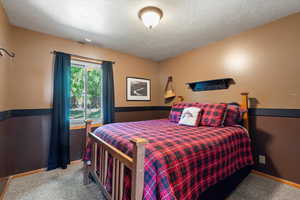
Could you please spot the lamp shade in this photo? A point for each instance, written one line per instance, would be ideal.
(150, 16)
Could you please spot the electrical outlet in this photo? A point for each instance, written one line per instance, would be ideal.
(262, 159)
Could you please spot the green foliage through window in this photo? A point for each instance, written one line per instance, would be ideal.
(86, 91)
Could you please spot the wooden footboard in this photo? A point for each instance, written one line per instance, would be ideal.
(98, 167)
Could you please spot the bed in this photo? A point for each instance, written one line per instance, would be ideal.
(159, 159)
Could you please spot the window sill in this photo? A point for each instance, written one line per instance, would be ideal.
(76, 127)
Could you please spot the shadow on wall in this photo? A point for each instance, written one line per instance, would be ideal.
(253, 102)
(261, 141)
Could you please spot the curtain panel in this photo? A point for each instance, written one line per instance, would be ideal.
(108, 92)
(59, 151)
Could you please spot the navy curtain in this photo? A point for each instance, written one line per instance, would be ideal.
(59, 152)
(108, 97)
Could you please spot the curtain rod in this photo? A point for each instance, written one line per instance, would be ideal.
(99, 60)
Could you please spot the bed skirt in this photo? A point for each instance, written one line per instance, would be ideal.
(224, 188)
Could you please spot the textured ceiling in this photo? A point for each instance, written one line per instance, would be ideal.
(114, 24)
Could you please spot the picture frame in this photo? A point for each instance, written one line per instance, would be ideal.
(138, 89)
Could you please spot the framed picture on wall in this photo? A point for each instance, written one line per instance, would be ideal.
(138, 89)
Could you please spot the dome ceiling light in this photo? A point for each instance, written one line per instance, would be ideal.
(150, 16)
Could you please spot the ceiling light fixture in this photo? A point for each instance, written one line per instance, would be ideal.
(150, 16)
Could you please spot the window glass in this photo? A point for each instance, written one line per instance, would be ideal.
(86, 91)
(94, 89)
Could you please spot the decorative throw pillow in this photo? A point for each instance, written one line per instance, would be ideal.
(234, 115)
(213, 114)
(177, 109)
(190, 116)
(175, 112)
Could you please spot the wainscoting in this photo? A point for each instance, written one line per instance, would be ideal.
(24, 143)
(127, 114)
(25, 134)
(278, 139)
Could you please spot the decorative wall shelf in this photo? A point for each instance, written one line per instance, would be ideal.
(217, 84)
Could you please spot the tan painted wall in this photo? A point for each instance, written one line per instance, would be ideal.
(264, 61)
(5, 42)
(31, 75)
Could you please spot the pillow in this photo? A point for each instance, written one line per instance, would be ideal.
(213, 114)
(190, 116)
(177, 109)
(175, 112)
(234, 115)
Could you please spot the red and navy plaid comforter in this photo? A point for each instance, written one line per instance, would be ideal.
(181, 161)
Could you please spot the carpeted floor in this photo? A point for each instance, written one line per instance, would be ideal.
(53, 185)
(256, 187)
(67, 185)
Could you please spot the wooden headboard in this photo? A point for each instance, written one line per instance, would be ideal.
(245, 106)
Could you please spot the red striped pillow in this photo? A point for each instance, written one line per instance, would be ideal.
(234, 115)
(213, 114)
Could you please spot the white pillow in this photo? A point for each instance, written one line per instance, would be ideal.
(190, 116)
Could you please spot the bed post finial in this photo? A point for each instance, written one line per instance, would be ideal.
(245, 106)
(138, 156)
(88, 128)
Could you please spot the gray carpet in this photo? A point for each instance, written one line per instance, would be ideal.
(53, 185)
(256, 187)
(67, 185)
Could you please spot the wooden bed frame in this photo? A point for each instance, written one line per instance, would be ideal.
(99, 159)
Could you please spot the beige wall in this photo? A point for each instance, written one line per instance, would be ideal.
(5, 42)
(264, 61)
(31, 75)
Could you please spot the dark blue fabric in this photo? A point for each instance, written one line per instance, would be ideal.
(108, 92)
(59, 151)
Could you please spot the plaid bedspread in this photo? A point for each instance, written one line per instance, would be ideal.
(181, 161)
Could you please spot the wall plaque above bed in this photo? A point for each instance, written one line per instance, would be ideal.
(216, 84)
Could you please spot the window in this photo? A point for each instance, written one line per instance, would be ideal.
(86, 91)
